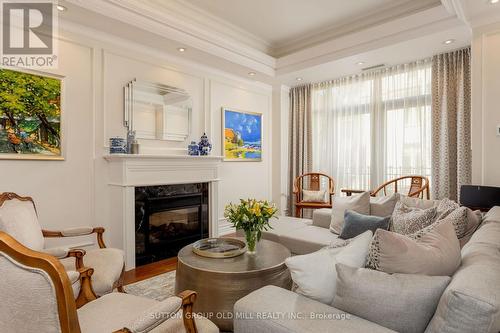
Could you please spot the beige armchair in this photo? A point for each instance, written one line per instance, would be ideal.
(37, 297)
(18, 218)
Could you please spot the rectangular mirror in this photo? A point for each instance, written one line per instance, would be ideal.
(157, 112)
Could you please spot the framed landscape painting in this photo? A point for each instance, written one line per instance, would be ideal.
(30, 116)
(242, 135)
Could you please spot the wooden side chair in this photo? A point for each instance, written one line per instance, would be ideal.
(418, 188)
(37, 297)
(18, 218)
(309, 193)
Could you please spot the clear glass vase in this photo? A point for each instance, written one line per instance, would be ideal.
(251, 239)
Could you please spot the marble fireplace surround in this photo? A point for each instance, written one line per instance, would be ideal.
(128, 171)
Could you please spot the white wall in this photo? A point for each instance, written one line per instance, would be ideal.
(74, 192)
(486, 105)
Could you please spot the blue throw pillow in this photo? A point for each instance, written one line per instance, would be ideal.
(356, 223)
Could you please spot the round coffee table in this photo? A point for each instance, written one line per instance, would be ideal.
(221, 282)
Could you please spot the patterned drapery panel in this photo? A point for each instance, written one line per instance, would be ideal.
(451, 123)
(300, 158)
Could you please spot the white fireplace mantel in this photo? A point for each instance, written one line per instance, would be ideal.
(126, 172)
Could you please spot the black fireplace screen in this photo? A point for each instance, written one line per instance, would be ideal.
(167, 218)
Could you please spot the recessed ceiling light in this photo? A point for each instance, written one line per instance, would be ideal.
(299, 79)
(251, 73)
(61, 8)
(448, 41)
(181, 49)
(494, 1)
(360, 63)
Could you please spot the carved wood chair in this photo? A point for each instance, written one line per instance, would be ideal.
(419, 187)
(37, 297)
(312, 182)
(18, 218)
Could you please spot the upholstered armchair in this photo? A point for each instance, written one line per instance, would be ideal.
(37, 297)
(18, 218)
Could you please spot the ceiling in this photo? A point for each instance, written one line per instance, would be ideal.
(281, 21)
(276, 42)
(288, 25)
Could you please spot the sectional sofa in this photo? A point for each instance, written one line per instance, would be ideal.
(470, 303)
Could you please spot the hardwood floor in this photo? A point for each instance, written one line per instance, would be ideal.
(153, 269)
(150, 270)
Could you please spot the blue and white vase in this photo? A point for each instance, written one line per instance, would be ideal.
(193, 149)
(204, 146)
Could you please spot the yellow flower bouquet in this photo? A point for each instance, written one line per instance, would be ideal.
(252, 216)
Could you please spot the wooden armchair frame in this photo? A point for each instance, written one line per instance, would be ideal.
(66, 305)
(419, 187)
(314, 185)
(86, 292)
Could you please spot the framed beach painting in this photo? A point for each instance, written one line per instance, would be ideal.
(30, 116)
(242, 135)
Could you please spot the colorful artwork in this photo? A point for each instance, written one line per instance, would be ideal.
(242, 137)
(30, 116)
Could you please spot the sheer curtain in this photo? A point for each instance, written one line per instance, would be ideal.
(369, 128)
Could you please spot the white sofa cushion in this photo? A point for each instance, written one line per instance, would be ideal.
(308, 239)
(312, 315)
(383, 206)
(358, 203)
(314, 273)
(18, 219)
(401, 302)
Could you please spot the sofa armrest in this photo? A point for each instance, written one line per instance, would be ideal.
(322, 217)
(277, 310)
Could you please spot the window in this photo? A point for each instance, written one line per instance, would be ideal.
(370, 128)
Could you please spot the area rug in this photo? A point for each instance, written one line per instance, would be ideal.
(159, 287)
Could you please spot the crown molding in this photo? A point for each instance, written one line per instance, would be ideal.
(456, 8)
(391, 32)
(172, 26)
(378, 16)
(178, 23)
(479, 14)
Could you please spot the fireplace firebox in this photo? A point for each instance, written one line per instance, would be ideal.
(167, 218)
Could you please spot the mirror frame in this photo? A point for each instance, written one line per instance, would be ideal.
(129, 102)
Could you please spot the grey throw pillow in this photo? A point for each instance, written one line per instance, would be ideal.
(356, 223)
(401, 302)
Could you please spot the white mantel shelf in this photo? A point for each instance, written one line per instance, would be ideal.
(127, 171)
(150, 170)
(116, 157)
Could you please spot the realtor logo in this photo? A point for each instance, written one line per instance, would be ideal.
(28, 34)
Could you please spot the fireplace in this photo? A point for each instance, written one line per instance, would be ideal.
(167, 218)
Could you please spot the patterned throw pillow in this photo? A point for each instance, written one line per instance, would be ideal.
(445, 208)
(407, 220)
(457, 216)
